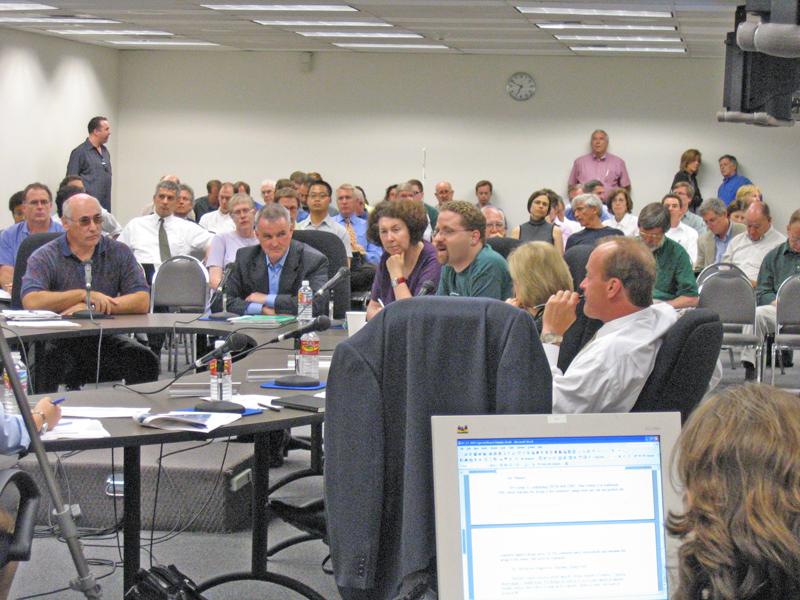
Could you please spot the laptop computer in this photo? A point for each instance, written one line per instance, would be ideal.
(554, 506)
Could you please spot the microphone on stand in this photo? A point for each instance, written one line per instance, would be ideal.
(342, 272)
(88, 313)
(426, 288)
(236, 342)
(223, 315)
(321, 323)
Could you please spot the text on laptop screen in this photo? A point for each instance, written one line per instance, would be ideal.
(553, 518)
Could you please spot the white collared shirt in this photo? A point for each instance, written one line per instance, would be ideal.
(686, 237)
(185, 237)
(216, 222)
(748, 255)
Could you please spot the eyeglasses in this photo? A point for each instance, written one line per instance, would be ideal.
(650, 236)
(86, 221)
(317, 196)
(242, 212)
(494, 225)
(447, 232)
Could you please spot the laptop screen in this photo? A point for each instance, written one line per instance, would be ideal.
(563, 515)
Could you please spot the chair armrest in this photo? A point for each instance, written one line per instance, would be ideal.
(20, 545)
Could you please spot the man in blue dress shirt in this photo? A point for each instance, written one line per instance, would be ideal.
(731, 180)
(366, 255)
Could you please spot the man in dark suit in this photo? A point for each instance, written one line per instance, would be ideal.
(266, 277)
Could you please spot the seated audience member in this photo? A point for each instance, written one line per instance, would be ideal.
(778, 265)
(685, 193)
(690, 164)
(150, 207)
(38, 204)
(419, 196)
(588, 210)
(241, 187)
(595, 187)
(72, 184)
(184, 208)
(538, 228)
(469, 266)
(290, 200)
(155, 238)
(736, 211)
(678, 230)
(738, 464)
(444, 193)
(266, 277)
(362, 205)
(406, 190)
(712, 244)
(559, 219)
(268, 191)
(208, 202)
(747, 194)
(611, 370)
(538, 271)
(225, 245)
(16, 204)
(319, 219)
(54, 281)
(365, 254)
(675, 281)
(220, 220)
(495, 221)
(747, 250)
(731, 180)
(621, 206)
(407, 261)
(391, 193)
(483, 191)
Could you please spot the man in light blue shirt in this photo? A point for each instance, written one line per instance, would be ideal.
(366, 255)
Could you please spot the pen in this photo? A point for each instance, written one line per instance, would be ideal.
(269, 406)
(59, 401)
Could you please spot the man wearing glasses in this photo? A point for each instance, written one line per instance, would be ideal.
(747, 250)
(470, 268)
(56, 280)
(495, 222)
(37, 205)
(675, 281)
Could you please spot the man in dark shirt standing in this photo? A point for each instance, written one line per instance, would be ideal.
(92, 161)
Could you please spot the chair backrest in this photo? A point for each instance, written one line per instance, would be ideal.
(577, 336)
(331, 246)
(416, 358)
(684, 365)
(721, 268)
(180, 284)
(503, 246)
(731, 296)
(576, 259)
(28, 246)
(788, 302)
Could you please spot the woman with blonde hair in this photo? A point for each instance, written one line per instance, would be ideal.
(748, 194)
(738, 459)
(538, 272)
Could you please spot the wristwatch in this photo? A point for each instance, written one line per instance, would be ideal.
(397, 281)
(43, 430)
(551, 338)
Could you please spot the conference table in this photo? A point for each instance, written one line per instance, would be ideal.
(126, 433)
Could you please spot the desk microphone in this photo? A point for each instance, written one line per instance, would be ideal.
(321, 323)
(223, 315)
(330, 283)
(426, 288)
(88, 313)
(236, 342)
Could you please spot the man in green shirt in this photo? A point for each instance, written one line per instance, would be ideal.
(778, 265)
(470, 268)
(675, 281)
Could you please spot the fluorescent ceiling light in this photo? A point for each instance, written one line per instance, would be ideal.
(607, 27)
(352, 34)
(394, 46)
(106, 32)
(283, 7)
(624, 49)
(57, 20)
(618, 38)
(594, 12)
(159, 43)
(322, 24)
(24, 6)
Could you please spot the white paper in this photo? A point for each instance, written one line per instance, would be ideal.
(77, 429)
(33, 323)
(100, 412)
(254, 400)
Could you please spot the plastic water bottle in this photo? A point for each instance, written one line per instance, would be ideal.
(226, 377)
(309, 356)
(10, 405)
(305, 297)
(214, 369)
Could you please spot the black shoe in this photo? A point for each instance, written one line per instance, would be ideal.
(787, 358)
(749, 371)
(418, 586)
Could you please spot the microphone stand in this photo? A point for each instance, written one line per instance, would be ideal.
(85, 582)
(223, 315)
(88, 313)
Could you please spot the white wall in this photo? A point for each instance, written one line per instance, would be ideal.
(365, 119)
(49, 89)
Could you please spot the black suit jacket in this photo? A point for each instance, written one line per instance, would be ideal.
(250, 275)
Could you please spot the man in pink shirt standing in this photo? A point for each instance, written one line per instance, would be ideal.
(599, 164)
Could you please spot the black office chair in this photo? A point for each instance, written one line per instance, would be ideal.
(16, 546)
(28, 246)
(584, 328)
(684, 365)
(503, 246)
(331, 246)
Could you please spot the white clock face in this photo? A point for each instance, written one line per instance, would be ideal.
(521, 86)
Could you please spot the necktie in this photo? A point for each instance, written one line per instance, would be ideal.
(163, 241)
(356, 247)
